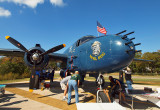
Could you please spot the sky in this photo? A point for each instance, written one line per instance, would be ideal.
(54, 22)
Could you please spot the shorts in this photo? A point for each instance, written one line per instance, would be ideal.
(63, 86)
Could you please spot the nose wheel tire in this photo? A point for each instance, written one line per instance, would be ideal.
(102, 98)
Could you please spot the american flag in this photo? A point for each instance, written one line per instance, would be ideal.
(100, 28)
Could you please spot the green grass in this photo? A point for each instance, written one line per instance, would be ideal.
(137, 79)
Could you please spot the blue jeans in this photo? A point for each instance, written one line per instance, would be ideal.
(129, 84)
(72, 84)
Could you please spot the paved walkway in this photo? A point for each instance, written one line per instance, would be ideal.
(18, 98)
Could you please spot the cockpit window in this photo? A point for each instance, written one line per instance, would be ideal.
(84, 39)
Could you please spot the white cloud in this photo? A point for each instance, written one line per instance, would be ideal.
(58, 2)
(29, 3)
(4, 12)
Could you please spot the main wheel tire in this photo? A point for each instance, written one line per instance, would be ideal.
(36, 84)
(3, 91)
(102, 98)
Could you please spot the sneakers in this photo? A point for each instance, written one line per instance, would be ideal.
(64, 99)
(68, 103)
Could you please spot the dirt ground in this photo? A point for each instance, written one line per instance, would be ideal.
(17, 97)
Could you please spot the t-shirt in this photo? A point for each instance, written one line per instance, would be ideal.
(114, 80)
(75, 77)
(66, 79)
(127, 75)
(122, 84)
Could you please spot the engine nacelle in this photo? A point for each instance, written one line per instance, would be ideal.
(35, 54)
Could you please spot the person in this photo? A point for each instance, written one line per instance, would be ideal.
(128, 78)
(73, 83)
(64, 86)
(51, 75)
(67, 73)
(61, 74)
(116, 87)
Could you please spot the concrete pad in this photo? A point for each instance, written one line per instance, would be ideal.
(99, 106)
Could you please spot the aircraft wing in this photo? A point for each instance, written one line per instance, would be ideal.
(143, 60)
(58, 57)
(20, 53)
(12, 52)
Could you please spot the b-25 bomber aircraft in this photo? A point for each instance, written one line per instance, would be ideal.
(89, 54)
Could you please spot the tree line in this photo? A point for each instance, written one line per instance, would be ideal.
(147, 68)
(15, 68)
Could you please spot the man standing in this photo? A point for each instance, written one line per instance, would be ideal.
(73, 83)
(51, 75)
(128, 78)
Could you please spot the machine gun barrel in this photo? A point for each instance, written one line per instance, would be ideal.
(128, 43)
(137, 44)
(138, 51)
(124, 37)
(129, 33)
(121, 32)
(132, 38)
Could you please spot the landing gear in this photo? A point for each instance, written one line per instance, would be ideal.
(100, 81)
(101, 95)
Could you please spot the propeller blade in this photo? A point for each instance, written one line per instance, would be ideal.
(54, 49)
(32, 78)
(16, 43)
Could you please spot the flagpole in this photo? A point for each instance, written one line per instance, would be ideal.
(97, 29)
(98, 33)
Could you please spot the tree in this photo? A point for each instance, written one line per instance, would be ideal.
(143, 67)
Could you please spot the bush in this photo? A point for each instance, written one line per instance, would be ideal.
(13, 68)
(12, 76)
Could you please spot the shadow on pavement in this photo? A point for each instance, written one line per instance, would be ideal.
(6, 99)
(5, 108)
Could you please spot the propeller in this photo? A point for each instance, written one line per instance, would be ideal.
(32, 77)
(54, 49)
(35, 57)
(16, 43)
